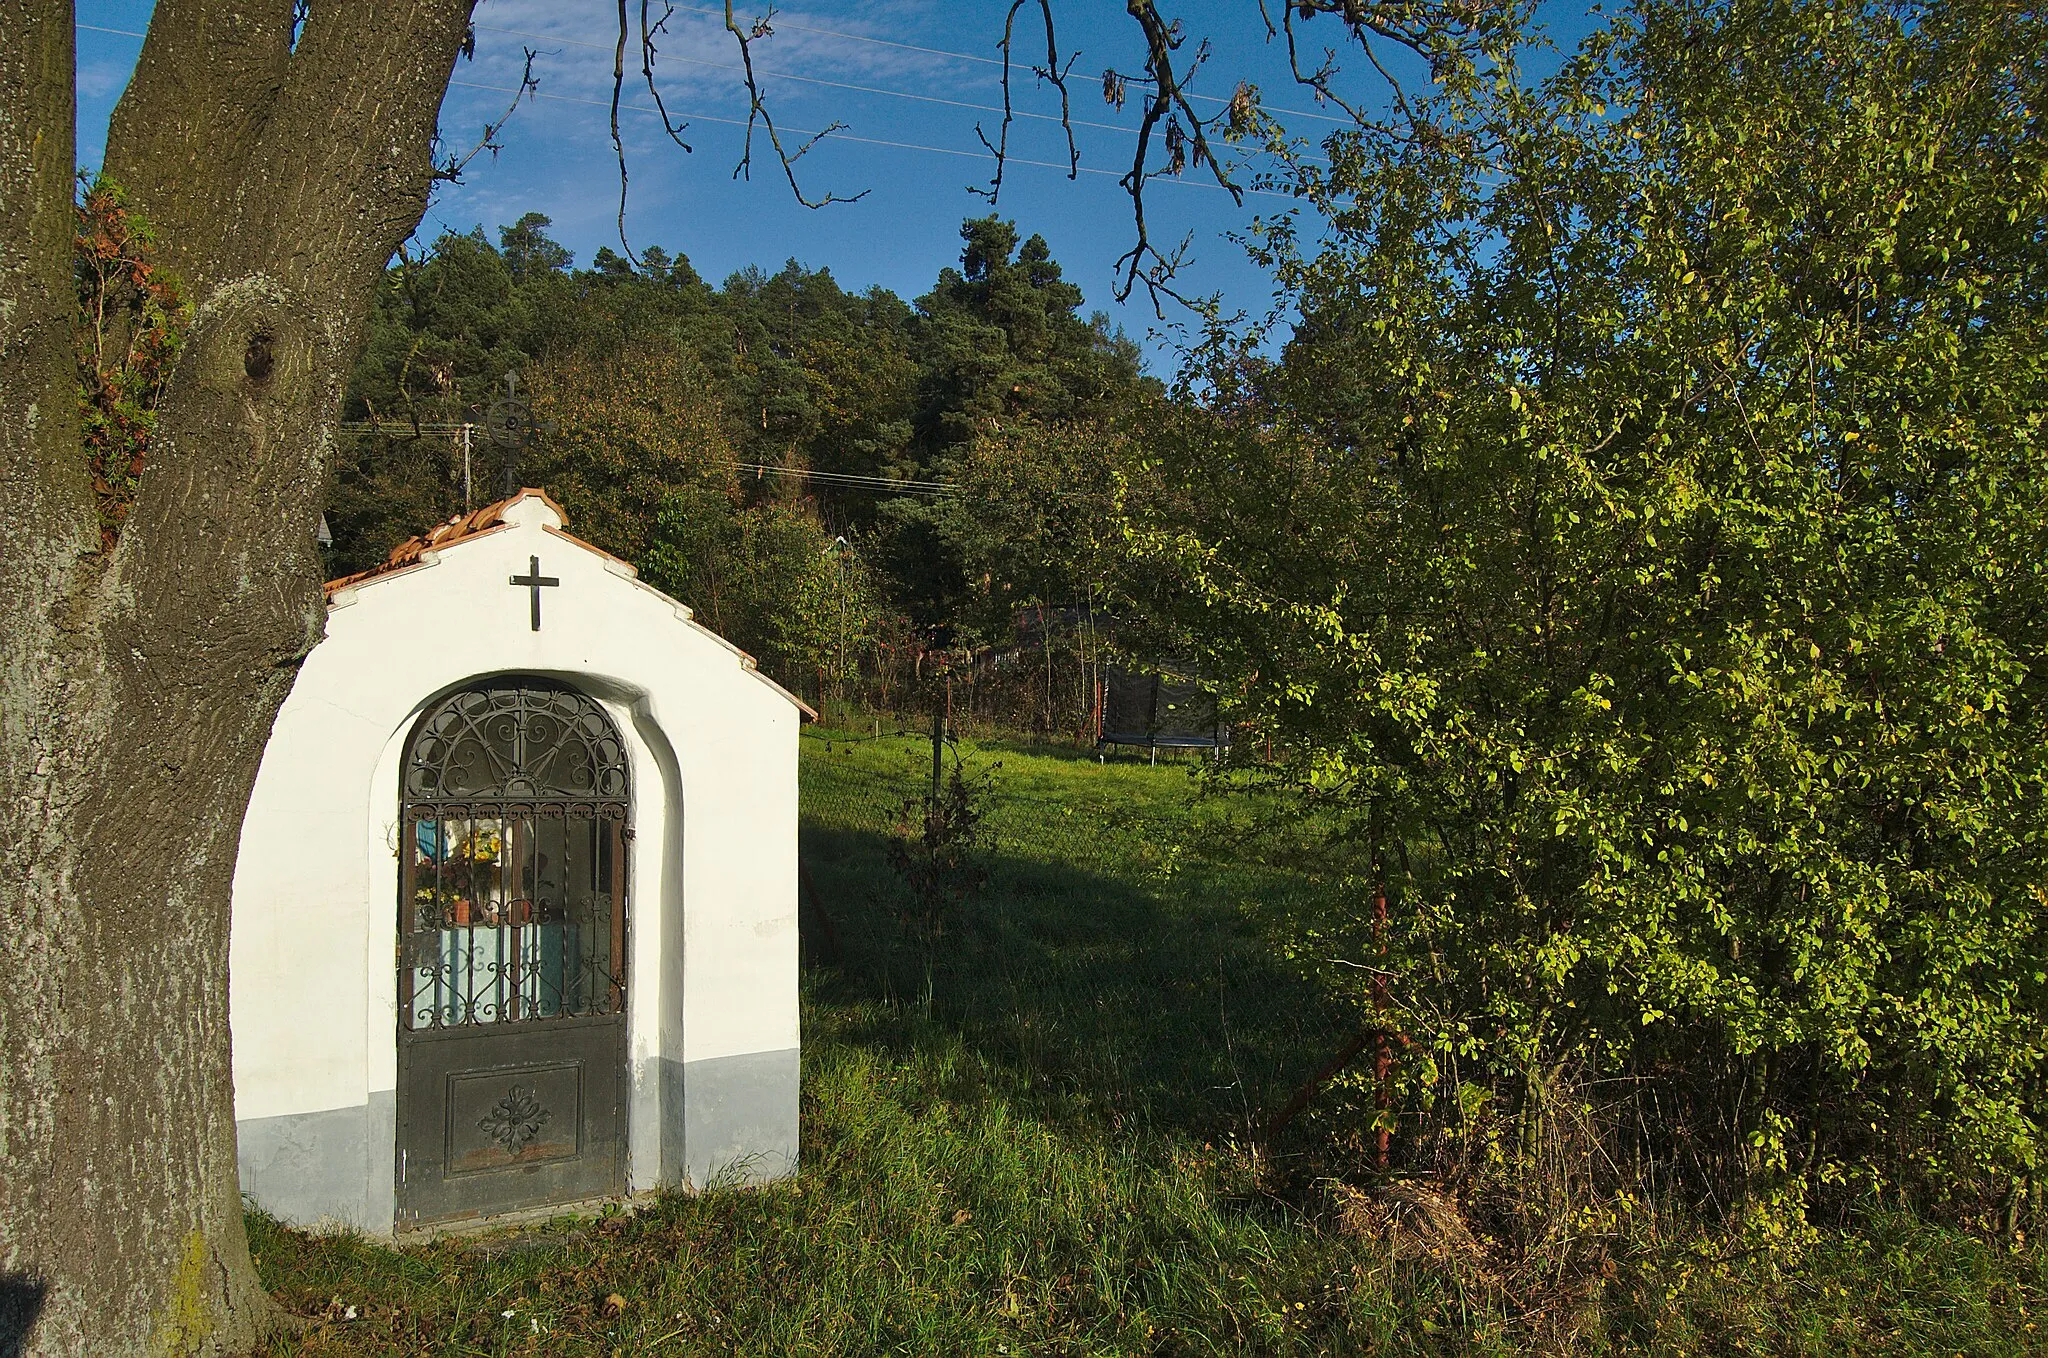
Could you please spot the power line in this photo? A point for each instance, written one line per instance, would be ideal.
(965, 56)
(849, 37)
(837, 135)
(844, 480)
(843, 85)
(831, 84)
(852, 481)
(867, 141)
(858, 37)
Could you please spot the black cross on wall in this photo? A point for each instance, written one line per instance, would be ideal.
(535, 581)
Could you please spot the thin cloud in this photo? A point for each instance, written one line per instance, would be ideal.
(103, 79)
(694, 51)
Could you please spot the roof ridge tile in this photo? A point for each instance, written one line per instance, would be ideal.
(477, 522)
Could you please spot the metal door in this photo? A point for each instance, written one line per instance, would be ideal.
(512, 953)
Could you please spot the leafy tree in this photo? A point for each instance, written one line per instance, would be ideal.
(1638, 546)
(815, 376)
(625, 430)
(773, 580)
(610, 264)
(1001, 348)
(443, 331)
(1033, 519)
(1001, 341)
(803, 373)
(531, 253)
(446, 329)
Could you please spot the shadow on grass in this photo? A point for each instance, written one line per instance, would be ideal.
(1158, 1008)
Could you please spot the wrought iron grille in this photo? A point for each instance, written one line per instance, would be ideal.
(513, 894)
(532, 739)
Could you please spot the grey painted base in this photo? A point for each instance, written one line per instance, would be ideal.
(739, 1116)
(731, 1119)
(331, 1168)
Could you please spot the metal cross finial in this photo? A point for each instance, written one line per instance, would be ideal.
(535, 581)
(509, 422)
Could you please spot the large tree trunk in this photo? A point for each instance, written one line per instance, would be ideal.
(138, 684)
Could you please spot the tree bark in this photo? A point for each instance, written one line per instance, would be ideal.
(140, 683)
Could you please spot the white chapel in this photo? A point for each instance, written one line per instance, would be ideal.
(515, 915)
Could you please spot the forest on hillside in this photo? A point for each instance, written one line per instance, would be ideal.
(840, 481)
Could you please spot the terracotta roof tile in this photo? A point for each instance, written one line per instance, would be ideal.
(474, 524)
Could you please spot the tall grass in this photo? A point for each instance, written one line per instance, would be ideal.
(1030, 1137)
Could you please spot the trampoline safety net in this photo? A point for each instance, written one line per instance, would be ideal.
(1153, 710)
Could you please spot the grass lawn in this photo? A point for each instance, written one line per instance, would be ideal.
(1030, 1140)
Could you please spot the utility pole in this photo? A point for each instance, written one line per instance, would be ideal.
(840, 562)
(942, 721)
(837, 550)
(467, 495)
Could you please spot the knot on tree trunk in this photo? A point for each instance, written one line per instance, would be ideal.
(256, 336)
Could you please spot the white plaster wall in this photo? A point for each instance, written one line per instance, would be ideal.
(713, 749)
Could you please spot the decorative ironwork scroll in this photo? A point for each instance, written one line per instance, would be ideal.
(513, 839)
(525, 740)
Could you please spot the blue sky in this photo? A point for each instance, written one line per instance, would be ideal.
(926, 75)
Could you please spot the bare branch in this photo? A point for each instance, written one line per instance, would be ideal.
(450, 170)
(1450, 35)
(1453, 36)
(757, 111)
(1053, 72)
(647, 55)
(1318, 80)
(618, 143)
(1186, 140)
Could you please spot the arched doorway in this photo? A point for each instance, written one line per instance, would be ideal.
(513, 831)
